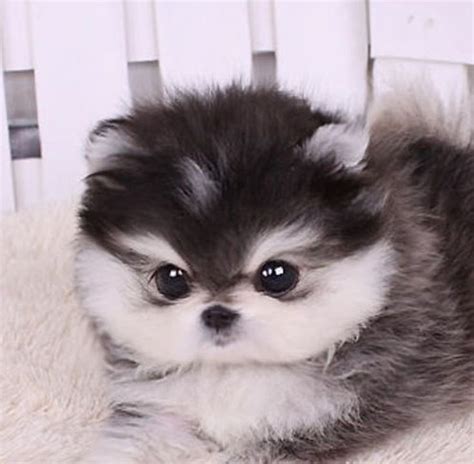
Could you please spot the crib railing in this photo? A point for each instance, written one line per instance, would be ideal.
(67, 64)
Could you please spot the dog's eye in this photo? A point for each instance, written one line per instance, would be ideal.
(172, 282)
(277, 278)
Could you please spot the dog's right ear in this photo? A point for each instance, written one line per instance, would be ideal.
(110, 137)
(347, 142)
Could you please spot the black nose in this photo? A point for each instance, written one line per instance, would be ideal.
(218, 317)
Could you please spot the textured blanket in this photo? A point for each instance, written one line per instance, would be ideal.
(52, 386)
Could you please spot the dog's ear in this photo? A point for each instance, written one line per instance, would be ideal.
(346, 142)
(110, 137)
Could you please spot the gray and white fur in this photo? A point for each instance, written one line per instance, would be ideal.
(373, 230)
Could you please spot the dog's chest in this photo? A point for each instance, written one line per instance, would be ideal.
(250, 403)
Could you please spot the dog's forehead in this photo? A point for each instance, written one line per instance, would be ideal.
(226, 257)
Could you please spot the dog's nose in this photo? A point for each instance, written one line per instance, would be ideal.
(218, 317)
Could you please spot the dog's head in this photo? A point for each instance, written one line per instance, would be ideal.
(231, 226)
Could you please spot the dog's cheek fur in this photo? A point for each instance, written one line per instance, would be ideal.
(342, 297)
(111, 292)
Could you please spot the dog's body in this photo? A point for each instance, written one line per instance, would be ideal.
(271, 284)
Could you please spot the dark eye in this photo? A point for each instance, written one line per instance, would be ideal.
(277, 278)
(172, 282)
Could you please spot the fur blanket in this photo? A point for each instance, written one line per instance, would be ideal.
(52, 387)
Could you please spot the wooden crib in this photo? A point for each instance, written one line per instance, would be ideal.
(67, 64)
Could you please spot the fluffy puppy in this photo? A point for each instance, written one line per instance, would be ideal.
(271, 283)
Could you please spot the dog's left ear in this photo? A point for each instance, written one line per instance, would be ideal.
(345, 142)
(109, 138)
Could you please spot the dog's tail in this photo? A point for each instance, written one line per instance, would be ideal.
(407, 109)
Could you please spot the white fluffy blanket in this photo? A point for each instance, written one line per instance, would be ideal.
(52, 388)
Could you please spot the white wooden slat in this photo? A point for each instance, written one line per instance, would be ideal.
(140, 30)
(81, 76)
(261, 25)
(321, 50)
(429, 30)
(202, 42)
(27, 179)
(7, 203)
(15, 35)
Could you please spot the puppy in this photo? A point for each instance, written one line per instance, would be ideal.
(272, 283)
